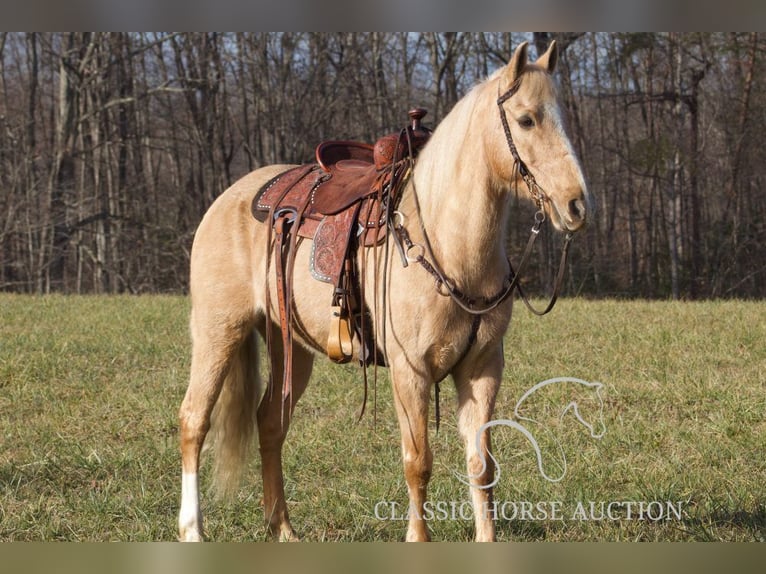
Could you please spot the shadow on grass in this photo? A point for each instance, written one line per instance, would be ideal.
(719, 524)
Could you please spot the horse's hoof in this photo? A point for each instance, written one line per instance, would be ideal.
(190, 535)
(288, 535)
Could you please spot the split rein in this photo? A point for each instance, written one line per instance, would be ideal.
(445, 286)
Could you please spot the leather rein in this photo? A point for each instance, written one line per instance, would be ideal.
(479, 306)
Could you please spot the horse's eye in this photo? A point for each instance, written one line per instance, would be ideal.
(526, 122)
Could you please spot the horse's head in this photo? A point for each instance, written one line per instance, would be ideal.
(534, 129)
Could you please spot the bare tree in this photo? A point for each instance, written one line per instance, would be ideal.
(113, 145)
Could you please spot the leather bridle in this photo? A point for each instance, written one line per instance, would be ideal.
(479, 306)
(539, 196)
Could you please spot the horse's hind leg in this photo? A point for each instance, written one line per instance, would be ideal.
(273, 421)
(477, 384)
(213, 348)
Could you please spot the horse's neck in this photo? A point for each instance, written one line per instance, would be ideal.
(463, 216)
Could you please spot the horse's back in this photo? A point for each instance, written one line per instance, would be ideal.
(236, 201)
(223, 257)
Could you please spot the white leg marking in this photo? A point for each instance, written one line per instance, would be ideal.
(190, 516)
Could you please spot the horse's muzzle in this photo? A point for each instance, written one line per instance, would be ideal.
(576, 215)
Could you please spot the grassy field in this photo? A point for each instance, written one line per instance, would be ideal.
(90, 387)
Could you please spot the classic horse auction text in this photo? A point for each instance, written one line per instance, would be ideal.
(639, 510)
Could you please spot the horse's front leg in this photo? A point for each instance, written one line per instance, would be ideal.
(477, 382)
(411, 398)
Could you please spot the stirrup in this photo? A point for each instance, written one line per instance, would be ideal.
(340, 343)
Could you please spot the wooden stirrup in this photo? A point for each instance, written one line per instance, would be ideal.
(340, 343)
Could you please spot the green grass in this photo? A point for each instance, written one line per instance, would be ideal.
(90, 387)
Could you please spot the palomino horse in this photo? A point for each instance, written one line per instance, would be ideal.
(454, 209)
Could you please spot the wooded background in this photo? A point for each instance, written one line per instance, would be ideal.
(113, 145)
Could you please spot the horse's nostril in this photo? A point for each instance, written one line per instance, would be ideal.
(577, 209)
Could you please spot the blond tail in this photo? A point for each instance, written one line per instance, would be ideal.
(233, 421)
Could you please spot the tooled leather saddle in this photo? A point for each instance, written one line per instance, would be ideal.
(342, 202)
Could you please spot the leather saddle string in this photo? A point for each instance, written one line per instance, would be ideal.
(287, 323)
(383, 211)
(386, 204)
(281, 229)
(267, 287)
(373, 211)
(382, 202)
(362, 305)
(279, 269)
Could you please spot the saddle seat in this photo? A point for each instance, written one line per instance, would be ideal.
(329, 154)
(341, 202)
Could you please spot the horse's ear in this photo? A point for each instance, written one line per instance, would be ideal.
(548, 60)
(515, 66)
